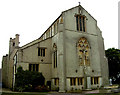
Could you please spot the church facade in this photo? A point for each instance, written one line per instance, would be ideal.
(70, 54)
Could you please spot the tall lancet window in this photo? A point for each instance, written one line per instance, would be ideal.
(81, 23)
(55, 55)
(83, 51)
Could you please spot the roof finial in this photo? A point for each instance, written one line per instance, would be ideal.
(79, 3)
(79, 10)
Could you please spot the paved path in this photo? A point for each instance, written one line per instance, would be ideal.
(58, 93)
(53, 93)
(49, 93)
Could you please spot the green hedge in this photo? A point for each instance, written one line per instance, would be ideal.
(28, 80)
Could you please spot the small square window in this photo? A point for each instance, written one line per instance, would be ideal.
(34, 67)
(13, 43)
(56, 81)
(94, 80)
(41, 52)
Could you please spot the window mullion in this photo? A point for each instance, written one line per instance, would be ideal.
(45, 52)
(85, 23)
(31, 67)
(93, 81)
(79, 23)
(82, 23)
(72, 81)
(56, 58)
(42, 52)
(35, 67)
(75, 81)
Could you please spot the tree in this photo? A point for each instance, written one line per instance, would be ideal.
(113, 56)
(28, 80)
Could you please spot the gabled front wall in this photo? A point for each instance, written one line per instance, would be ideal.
(67, 54)
(70, 20)
(98, 63)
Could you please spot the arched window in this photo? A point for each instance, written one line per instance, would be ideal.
(83, 51)
(55, 55)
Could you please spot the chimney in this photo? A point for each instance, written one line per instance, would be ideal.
(17, 40)
(13, 43)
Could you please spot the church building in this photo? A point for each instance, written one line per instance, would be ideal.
(70, 54)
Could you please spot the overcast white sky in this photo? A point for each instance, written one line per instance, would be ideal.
(30, 18)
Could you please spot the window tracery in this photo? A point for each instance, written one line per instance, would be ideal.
(83, 51)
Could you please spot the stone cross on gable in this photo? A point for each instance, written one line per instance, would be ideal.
(79, 3)
(79, 11)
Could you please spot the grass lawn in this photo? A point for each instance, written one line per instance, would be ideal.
(45, 93)
(105, 94)
(41, 93)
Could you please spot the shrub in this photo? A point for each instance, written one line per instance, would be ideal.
(42, 88)
(28, 80)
